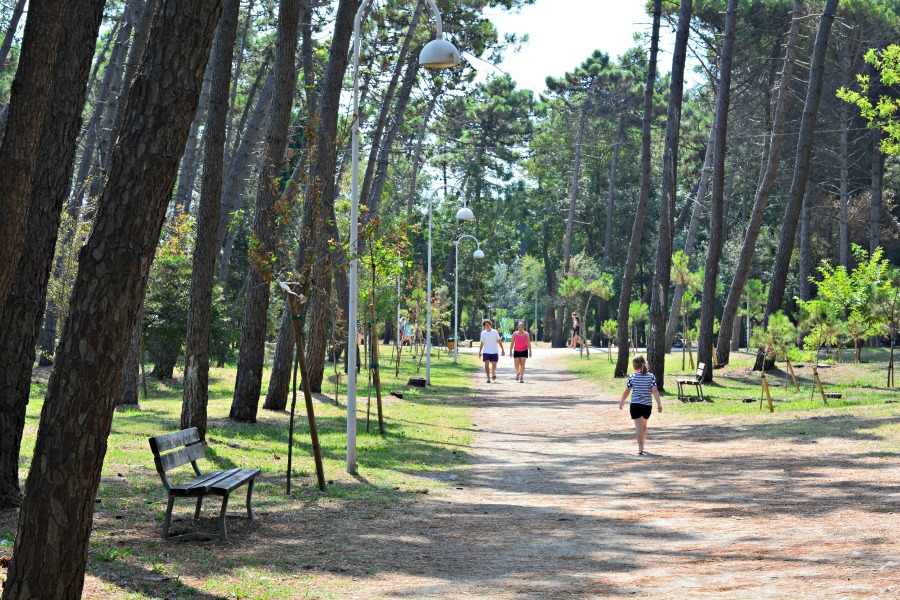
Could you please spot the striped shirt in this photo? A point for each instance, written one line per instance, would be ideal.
(641, 385)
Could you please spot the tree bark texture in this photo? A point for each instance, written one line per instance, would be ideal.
(138, 47)
(253, 325)
(190, 162)
(22, 316)
(844, 250)
(717, 200)
(128, 388)
(691, 235)
(763, 191)
(238, 69)
(659, 302)
(417, 154)
(611, 197)
(640, 213)
(28, 98)
(55, 520)
(806, 244)
(195, 395)
(801, 165)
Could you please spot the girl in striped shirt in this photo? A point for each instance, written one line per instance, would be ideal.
(641, 384)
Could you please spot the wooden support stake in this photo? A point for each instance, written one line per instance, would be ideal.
(293, 300)
(765, 385)
(714, 357)
(794, 377)
(818, 382)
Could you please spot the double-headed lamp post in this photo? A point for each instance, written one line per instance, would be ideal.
(437, 54)
(463, 214)
(477, 254)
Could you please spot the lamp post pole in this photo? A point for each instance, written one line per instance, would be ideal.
(436, 54)
(428, 299)
(477, 254)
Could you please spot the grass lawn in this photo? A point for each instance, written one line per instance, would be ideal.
(860, 384)
(291, 546)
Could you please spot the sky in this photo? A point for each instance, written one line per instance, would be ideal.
(562, 33)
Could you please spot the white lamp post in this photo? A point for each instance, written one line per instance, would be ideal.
(477, 254)
(436, 54)
(463, 214)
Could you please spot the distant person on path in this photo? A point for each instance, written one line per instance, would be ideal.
(576, 331)
(521, 349)
(643, 385)
(491, 342)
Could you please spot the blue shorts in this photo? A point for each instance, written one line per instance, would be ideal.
(490, 357)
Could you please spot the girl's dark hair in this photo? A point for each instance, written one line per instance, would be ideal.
(639, 363)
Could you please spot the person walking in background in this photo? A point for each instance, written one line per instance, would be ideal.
(576, 331)
(521, 349)
(491, 343)
(642, 387)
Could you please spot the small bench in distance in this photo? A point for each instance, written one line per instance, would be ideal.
(697, 382)
(173, 450)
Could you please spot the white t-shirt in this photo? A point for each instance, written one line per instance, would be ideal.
(490, 340)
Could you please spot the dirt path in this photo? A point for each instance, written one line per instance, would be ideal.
(556, 505)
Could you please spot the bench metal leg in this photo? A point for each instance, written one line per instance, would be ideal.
(223, 530)
(680, 390)
(700, 389)
(197, 510)
(249, 495)
(168, 518)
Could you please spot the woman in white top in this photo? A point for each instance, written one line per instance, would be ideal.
(490, 343)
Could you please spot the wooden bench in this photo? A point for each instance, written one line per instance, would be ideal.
(173, 450)
(697, 382)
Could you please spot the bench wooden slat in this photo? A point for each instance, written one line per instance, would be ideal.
(161, 443)
(224, 486)
(181, 488)
(182, 456)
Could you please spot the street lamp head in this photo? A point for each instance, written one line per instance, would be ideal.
(465, 214)
(478, 254)
(439, 54)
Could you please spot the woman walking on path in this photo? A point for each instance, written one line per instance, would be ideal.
(490, 343)
(641, 385)
(521, 348)
(576, 331)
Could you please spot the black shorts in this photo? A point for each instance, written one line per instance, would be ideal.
(520, 353)
(641, 410)
(576, 331)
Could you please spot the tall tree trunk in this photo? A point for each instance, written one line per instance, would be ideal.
(417, 155)
(253, 326)
(190, 162)
(239, 173)
(552, 289)
(806, 244)
(195, 395)
(640, 213)
(801, 165)
(388, 100)
(558, 338)
(21, 317)
(717, 200)
(877, 190)
(10, 33)
(117, 67)
(138, 47)
(318, 207)
(238, 70)
(128, 388)
(659, 302)
(763, 191)
(691, 235)
(28, 98)
(844, 248)
(611, 197)
(53, 536)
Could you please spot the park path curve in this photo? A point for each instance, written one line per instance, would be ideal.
(556, 505)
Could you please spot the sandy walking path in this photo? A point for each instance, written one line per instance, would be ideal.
(557, 505)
